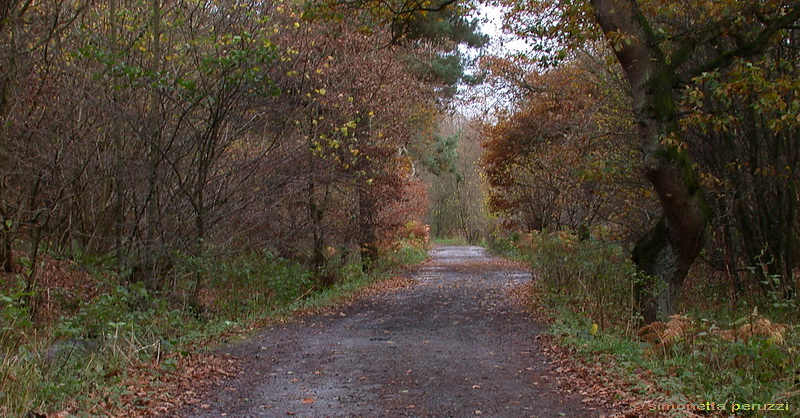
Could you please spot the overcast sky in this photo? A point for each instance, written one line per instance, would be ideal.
(493, 17)
(480, 101)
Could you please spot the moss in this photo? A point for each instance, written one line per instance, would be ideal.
(649, 287)
(647, 248)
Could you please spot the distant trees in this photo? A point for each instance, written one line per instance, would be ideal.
(164, 132)
(457, 194)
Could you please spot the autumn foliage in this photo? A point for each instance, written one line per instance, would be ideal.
(563, 157)
(159, 132)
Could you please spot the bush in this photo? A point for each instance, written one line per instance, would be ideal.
(741, 360)
(407, 252)
(508, 247)
(253, 282)
(15, 315)
(594, 277)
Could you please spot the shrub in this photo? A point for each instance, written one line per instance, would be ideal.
(254, 282)
(406, 252)
(594, 277)
(15, 316)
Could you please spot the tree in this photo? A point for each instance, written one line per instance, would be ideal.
(743, 132)
(457, 186)
(562, 157)
(174, 133)
(28, 29)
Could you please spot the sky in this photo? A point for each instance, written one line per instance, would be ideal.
(493, 16)
(480, 101)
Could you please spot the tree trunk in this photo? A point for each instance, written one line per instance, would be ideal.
(7, 80)
(200, 249)
(6, 253)
(665, 254)
(119, 165)
(153, 134)
(367, 235)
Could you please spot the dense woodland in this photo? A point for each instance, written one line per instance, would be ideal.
(668, 125)
(174, 155)
(159, 133)
(168, 162)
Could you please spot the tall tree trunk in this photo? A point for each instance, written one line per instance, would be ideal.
(154, 139)
(7, 80)
(367, 213)
(315, 214)
(665, 254)
(6, 248)
(200, 248)
(119, 165)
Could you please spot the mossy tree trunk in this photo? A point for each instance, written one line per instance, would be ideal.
(664, 254)
(367, 234)
(657, 66)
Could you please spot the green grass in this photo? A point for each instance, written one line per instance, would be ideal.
(697, 369)
(79, 363)
(586, 285)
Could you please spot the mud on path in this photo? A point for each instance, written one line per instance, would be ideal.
(451, 345)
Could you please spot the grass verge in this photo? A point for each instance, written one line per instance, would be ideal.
(706, 361)
(85, 345)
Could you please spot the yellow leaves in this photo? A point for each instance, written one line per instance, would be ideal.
(620, 40)
(334, 144)
(321, 92)
(710, 181)
(673, 141)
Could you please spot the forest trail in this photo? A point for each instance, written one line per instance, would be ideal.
(453, 344)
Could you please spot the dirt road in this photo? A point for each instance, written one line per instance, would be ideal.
(451, 345)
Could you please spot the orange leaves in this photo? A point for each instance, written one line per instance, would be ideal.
(563, 150)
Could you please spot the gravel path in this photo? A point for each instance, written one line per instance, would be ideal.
(451, 345)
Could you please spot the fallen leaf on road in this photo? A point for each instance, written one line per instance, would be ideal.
(307, 401)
